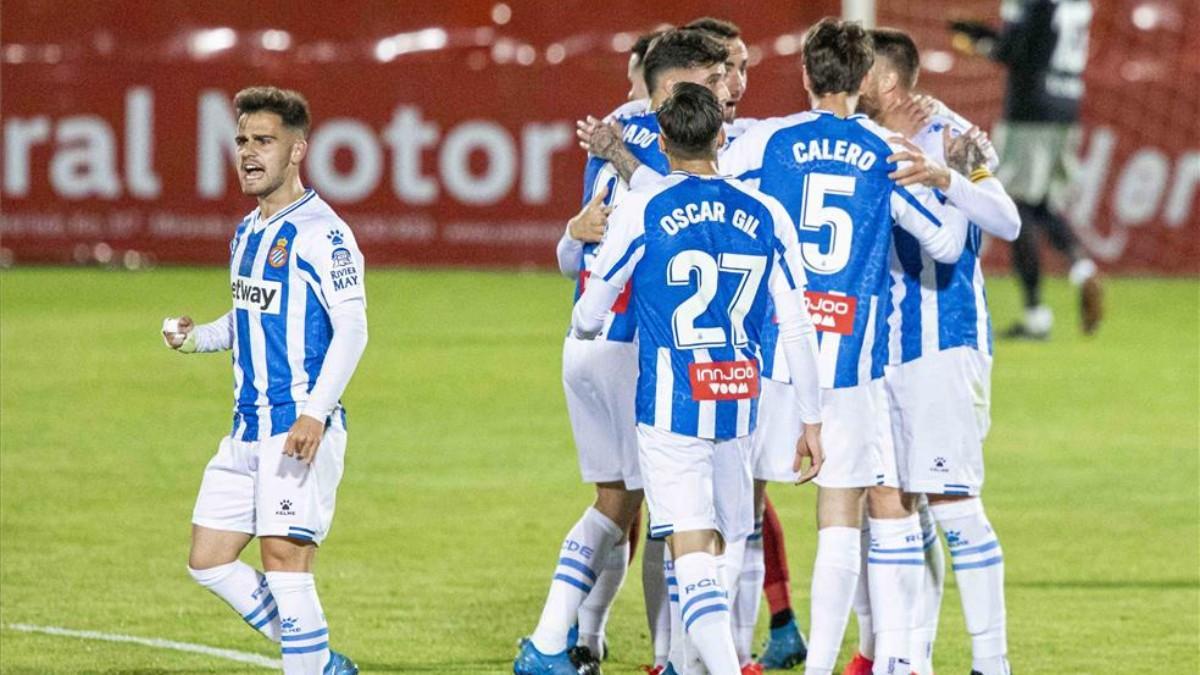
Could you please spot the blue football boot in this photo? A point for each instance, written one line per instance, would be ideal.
(785, 648)
(340, 664)
(530, 661)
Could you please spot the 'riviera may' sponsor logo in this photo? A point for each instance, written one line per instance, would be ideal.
(256, 295)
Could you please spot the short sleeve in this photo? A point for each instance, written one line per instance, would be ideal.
(330, 256)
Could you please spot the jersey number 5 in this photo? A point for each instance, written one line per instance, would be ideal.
(708, 271)
(825, 231)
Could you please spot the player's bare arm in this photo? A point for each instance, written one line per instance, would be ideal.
(967, 152)
(603, 139)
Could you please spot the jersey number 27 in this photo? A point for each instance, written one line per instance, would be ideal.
(708, 271)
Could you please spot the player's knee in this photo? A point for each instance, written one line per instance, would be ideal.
(888, 502)
(206, 573)
(618, 504)
(280, 554)
(201, 559)
(839, 507)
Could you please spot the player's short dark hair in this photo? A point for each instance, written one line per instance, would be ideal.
(690, 121)
(291, 106)
(718, 28)
(837, 55)
(645, 40)
(681, 48)
(899, 49)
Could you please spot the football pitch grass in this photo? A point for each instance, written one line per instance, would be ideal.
(461, 479)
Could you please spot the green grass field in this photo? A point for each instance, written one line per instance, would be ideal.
(461, 479)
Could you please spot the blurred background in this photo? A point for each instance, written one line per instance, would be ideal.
(444, 131)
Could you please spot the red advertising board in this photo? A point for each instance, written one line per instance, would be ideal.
(444, 132)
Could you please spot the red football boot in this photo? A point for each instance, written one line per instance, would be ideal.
(861, 665)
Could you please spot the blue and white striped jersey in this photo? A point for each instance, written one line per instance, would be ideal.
(702, 253)
(936, 306)
(831, 174)
(641, 137)
(285, 273)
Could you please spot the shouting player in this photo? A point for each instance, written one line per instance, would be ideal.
(939, 375)
(829, 167)
(297, 329)
(703, 253)
(599, 377)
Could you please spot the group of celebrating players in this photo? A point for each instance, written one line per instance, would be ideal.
(752, 296)
(756, 295)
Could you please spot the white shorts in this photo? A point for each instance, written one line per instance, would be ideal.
(600, 380)
(252, 487)
(941, 411)
(774, 438)
(696, 483)
(857, 436)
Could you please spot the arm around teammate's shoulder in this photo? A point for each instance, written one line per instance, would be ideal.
(941, 230)
(987, 204)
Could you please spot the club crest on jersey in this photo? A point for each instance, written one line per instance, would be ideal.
(256, 295)
(341, 257)
(831, 312)
(278, 256)
(724, 380)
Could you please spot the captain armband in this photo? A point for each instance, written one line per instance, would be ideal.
(980, 174)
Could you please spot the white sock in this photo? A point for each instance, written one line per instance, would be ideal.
(862, 598)
(583, 551)
(730, 563)
(704, 608)
(1081, 271)
(749, 595)
(930, 605)
(978, 564)
(303, 631)
(680, 651)
(835, 574)
(654, 591)
(1039, 319)
(896, 564)
(246, 591)
(593, 613)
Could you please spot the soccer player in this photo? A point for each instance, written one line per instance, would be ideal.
(1044, 44)
(939, 369)
(785, 647)
(703, 253)
(297, 329)
(638, 98)
(598, 378)
(829, 167)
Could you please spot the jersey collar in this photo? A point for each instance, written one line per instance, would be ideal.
(855, 116)
(300, 201)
